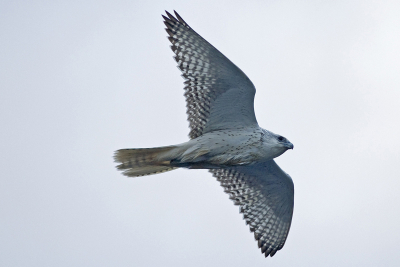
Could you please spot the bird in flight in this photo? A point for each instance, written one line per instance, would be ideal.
(224, 138)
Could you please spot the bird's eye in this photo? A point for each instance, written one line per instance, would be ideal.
(281, 138)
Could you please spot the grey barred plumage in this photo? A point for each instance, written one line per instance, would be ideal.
(260, 201)
(208, 74)
(224, 137)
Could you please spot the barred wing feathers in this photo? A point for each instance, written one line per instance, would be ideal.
(265, 195)
(218, 94)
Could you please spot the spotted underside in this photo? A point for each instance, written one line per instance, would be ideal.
(208, 75)
(220, 96)
(265, 196)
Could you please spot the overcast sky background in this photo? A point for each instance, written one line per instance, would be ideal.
(80, 79)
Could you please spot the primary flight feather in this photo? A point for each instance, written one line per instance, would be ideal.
(224, 138)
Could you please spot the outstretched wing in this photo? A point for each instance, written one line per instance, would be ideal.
(218, 94)
(265, 195)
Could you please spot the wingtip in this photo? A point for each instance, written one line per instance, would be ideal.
(177, 17)
(171, 17)
(180, 18)
(168, 14)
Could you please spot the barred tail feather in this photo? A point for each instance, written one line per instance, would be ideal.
(144, 161)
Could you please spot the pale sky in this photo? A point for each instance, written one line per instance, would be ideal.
(81, 79)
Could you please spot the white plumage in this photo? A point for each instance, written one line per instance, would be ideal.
(225, 138)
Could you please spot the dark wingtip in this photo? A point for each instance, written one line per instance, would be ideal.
(168, 14)
(171, 17)
(180, 18)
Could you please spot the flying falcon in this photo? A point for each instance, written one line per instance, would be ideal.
(224, 138)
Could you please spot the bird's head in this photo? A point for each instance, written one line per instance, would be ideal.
(275, 144)
(283, 142)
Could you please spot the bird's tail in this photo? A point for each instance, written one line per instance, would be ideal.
(145, 161)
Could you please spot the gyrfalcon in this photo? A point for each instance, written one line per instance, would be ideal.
(224, 138)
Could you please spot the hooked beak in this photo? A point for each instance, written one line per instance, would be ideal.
(289, 145)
